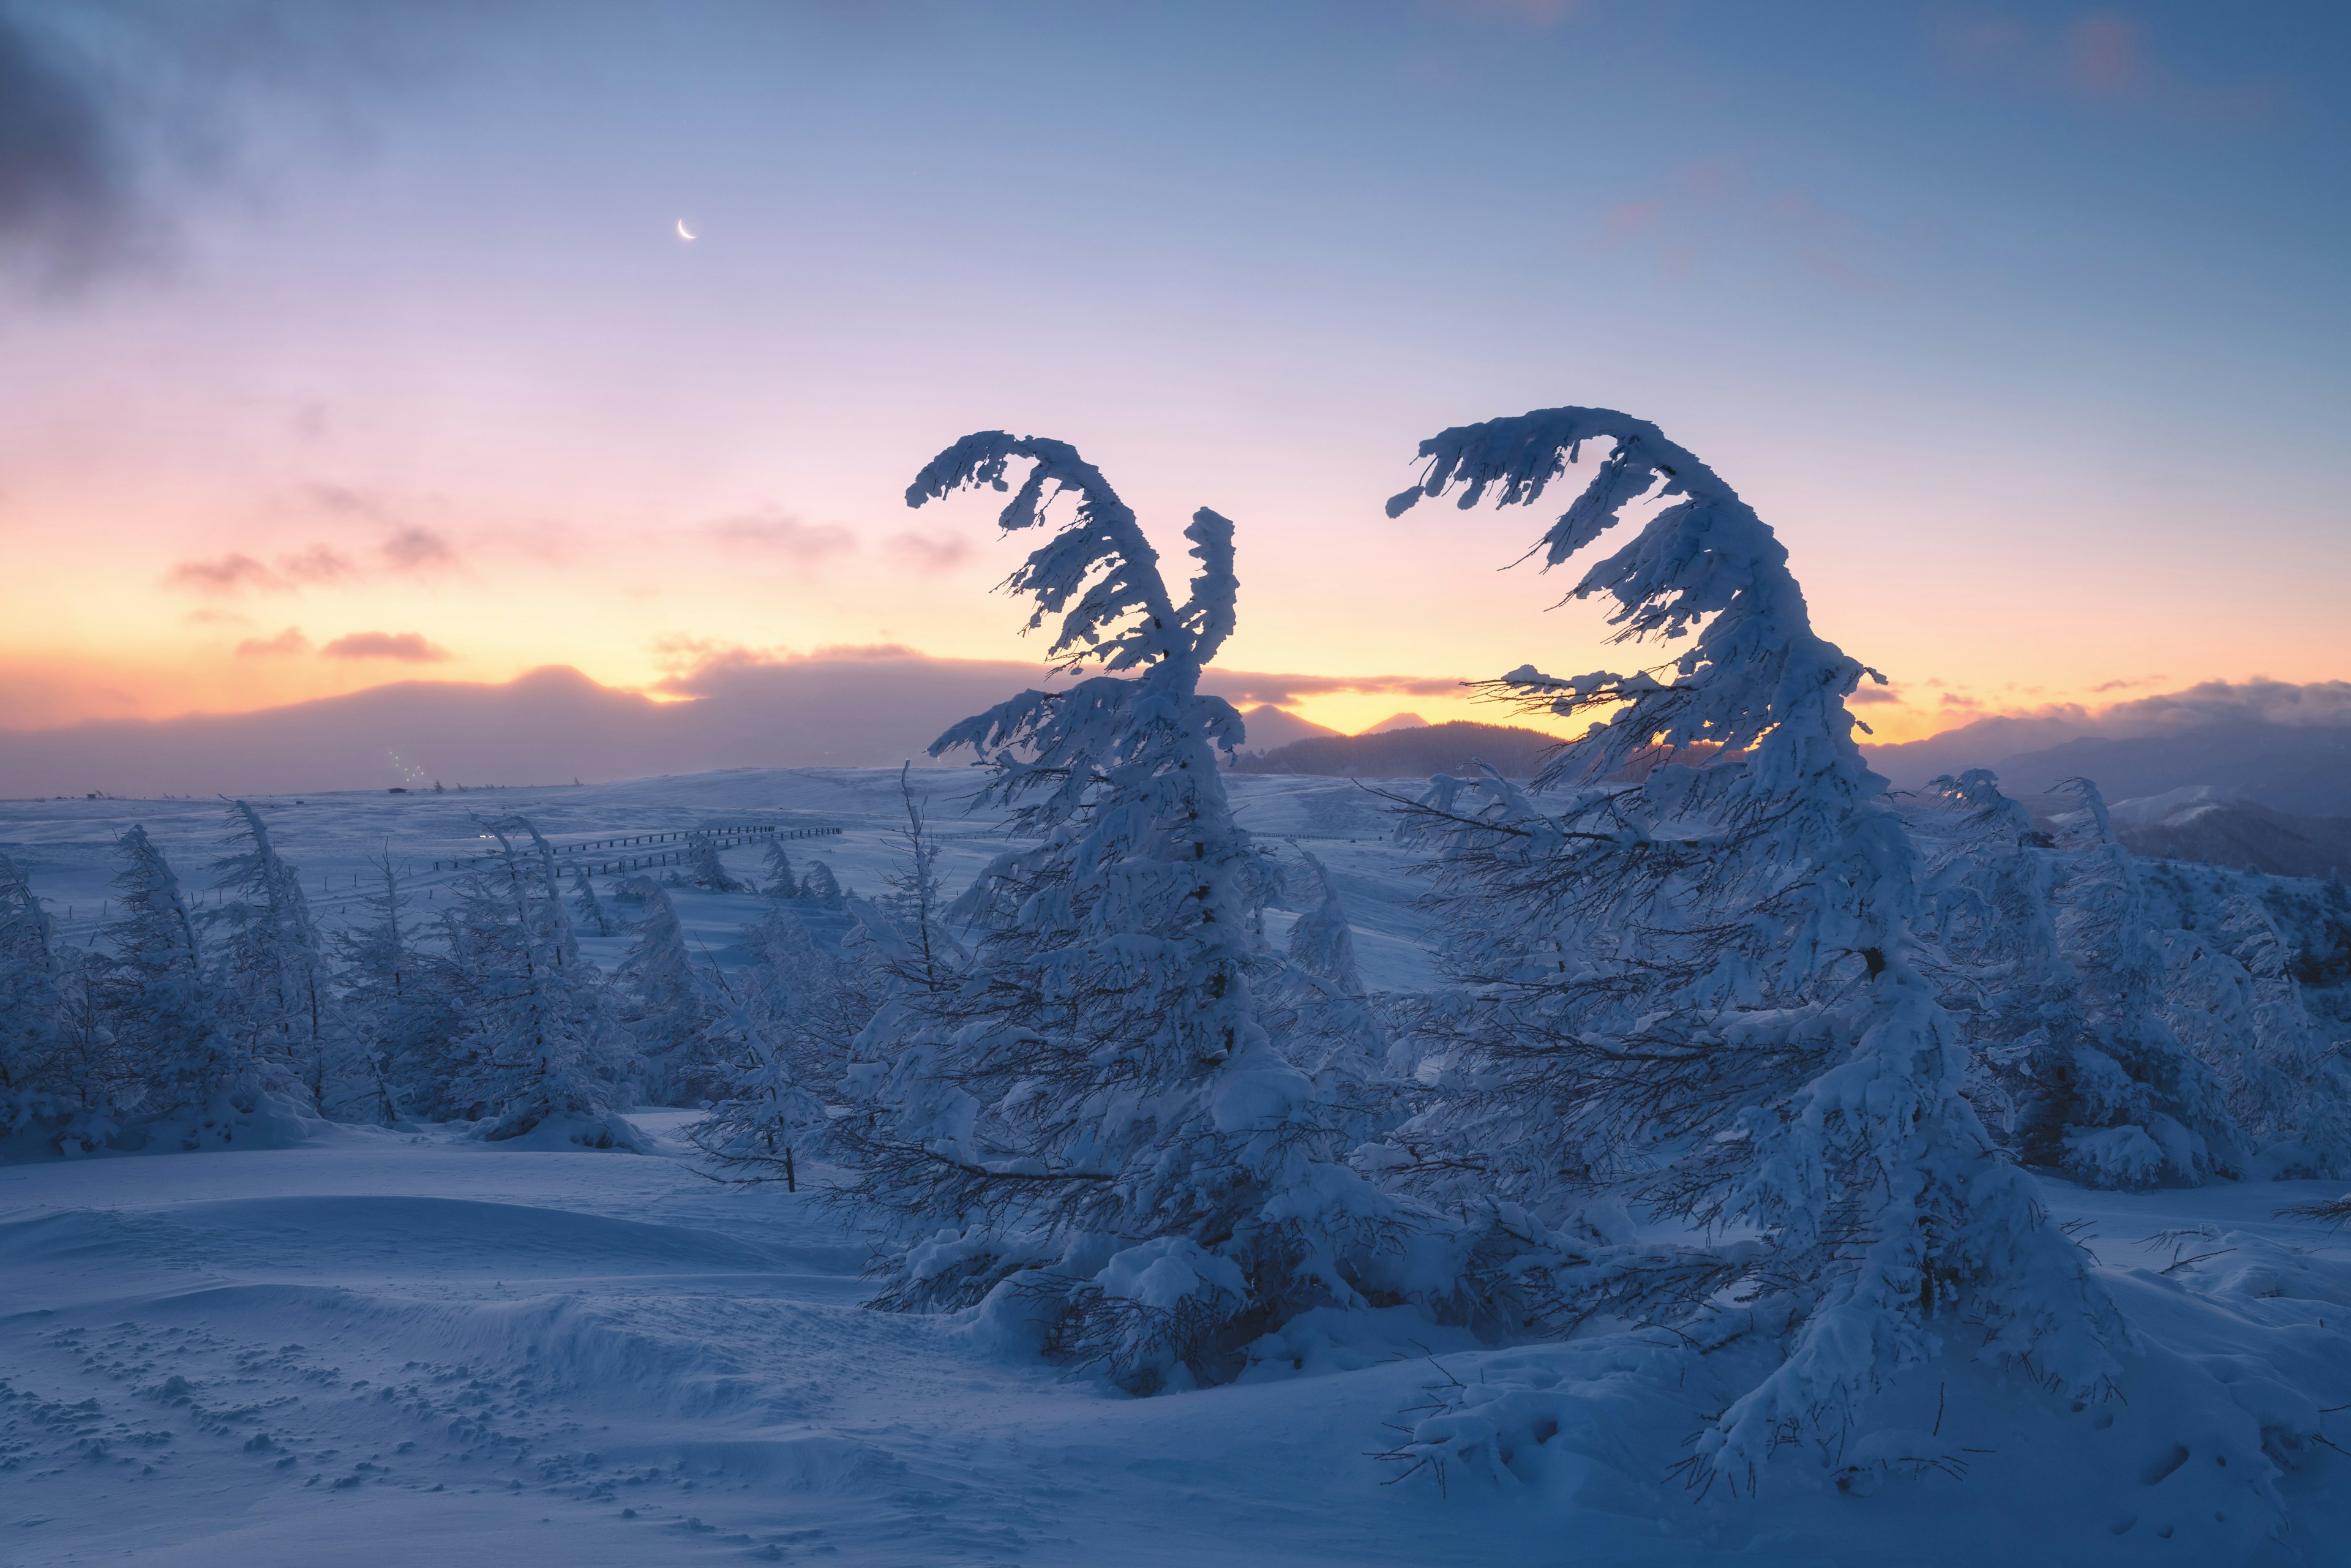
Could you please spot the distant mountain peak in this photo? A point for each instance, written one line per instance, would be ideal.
(1397, 721)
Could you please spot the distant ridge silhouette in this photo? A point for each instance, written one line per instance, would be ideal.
(1455, 747)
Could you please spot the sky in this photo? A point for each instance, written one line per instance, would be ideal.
(348, 345)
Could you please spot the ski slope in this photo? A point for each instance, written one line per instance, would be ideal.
(392, 1346)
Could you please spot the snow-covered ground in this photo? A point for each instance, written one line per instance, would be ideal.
(387, 1347)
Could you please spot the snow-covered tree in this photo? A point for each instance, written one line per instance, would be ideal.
(539, 1040)
(782, 881)
(820, 887)
(404, 1023)
(2131, 1106)
(196, 1081)
(1993, 951)
(1329, 1027)
(665, 1005)
(2229, 995)
(270, 968)
(1090, 1129)
(1691, 947)
(590, 908)
(32, 1004)
(707, 869)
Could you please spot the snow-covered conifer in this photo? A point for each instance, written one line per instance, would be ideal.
(591, 909)
(1690, 954)
(2230, 994)
(2131, 1106)
(707, 869)
(664, 1005)
(782, 881)
(404, 1023)
(1091, 1128)
(271, 973)
(539, 1040)
(32, 1003)
(196, 1080)
(1329, 1027)
(820, 887)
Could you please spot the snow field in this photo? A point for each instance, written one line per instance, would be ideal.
(392, 1347)
(403, 1346)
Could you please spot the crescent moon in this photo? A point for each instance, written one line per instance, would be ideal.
(684, 233)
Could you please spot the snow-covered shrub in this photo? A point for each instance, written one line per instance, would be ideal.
(1089, 1128)
(1691, 947)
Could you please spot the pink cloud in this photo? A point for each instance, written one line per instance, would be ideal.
(286, 642)
(229, 574)
(408, 647)
(416, 548)
(928, 553)
(772, 532)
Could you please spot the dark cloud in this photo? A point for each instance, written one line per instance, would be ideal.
(1871, 692)
(68, 202)
(407, 647)
(112, 111)
(286, 642)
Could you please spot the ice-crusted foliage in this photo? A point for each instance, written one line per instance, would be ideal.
(539, 1040)
(1089, 1127)
(2230, 994)
(1993, 951)
(782, 881)
(402, 1022)
(1326, 1021)
(1704, 975)
(270, 966)
(820, 887)
(158, 1004)
(2131, 1106)
(593, 915)
(33, 1078)
(787, 1019)
(706, 869)
(666, 1006)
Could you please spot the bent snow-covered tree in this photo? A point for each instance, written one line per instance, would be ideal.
(1090, 1128)
(1692, 942)
(272, 979)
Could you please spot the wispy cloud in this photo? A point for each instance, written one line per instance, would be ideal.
(407, 647)
(929, 553)
(778, 533)
(228, 574)
(286, 643)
